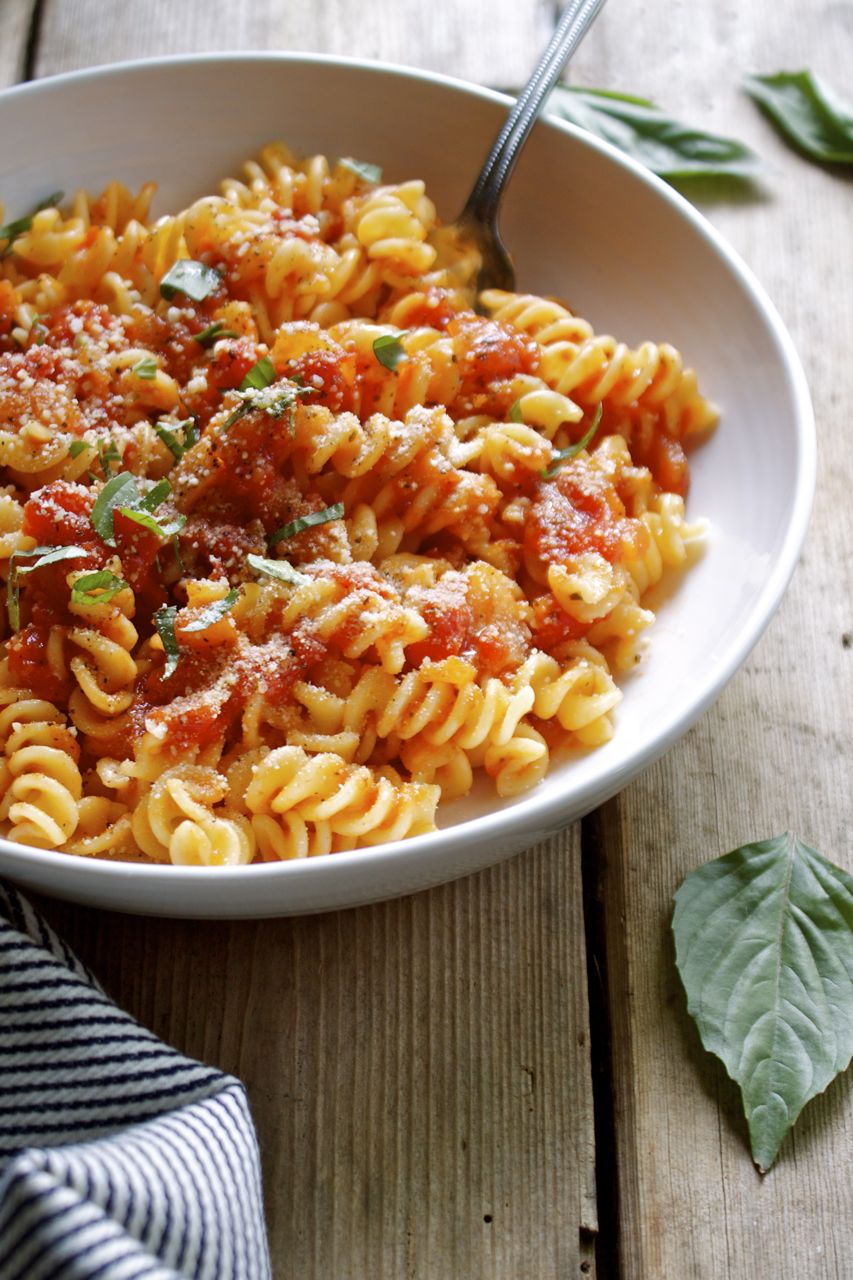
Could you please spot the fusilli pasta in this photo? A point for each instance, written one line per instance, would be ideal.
(295, 541)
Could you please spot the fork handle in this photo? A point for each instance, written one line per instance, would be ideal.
(576, 19)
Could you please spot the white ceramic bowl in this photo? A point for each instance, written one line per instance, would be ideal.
(583, 223)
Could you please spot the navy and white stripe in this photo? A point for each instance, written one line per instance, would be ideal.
(119, 1158)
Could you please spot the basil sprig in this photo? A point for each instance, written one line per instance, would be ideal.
(807, 113)
(121, 494)
(371, 173)
(96, 588)
(194, 279)
(214, 612)
(388, 349)
(313, 518)
(278, 569)
(572, 450)
(46, 555)
(647, 133)
(164, 621)
(17, 228)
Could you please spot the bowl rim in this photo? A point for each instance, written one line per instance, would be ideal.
(534, 812)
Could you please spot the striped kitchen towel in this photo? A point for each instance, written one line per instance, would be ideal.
(119, 1158)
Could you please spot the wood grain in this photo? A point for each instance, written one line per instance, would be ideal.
(16, 18)
(494, 41)
(775, 752)
(418, 1071)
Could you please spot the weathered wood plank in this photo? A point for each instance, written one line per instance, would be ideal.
(15, 21)
(418, 1071)
(775, 752)
(495, 41)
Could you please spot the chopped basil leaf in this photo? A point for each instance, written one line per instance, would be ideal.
(307, 522)
(563, 455)
(213, 333)
(107, 456)
(77, 447)
(46, 555)
(388, 349)
(164, 530)
(195, 279)
(171, 442)
(146, 368)
(278, 569)
(96, 588)
(117, 493)
(20, 225)
(121, 493)
(368, 172)
(214, 612)
(514, 414)
(261, 374)
(277, 400)
(152, 499)
(175, 446)
(38, 330)
(164, 621)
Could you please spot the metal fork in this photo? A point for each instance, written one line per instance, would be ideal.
(476, 228)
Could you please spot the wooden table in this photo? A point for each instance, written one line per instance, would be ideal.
(498, 1078)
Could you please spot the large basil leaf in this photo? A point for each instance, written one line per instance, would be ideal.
(646, 133)
(764, 946)
(807, 113)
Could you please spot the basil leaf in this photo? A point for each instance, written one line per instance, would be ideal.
(335, 512)
(20, 225)
(77, 447)
(107, 456)
(175, 446)
(388, 349)
(146, 368)
(514, 414)
(807, 113)
(164, 530)
(278, 569)
(645, 132)
(46, 555)
(368, 172)
(195, 279)
(261, 374)
(213, 333)
(563, 455)
(155, 495)
(164, 621)
(171, 442)
(214, 612)
(119, 492)
(764, 946)
(96, 588)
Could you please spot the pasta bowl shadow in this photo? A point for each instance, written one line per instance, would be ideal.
(584, 224)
